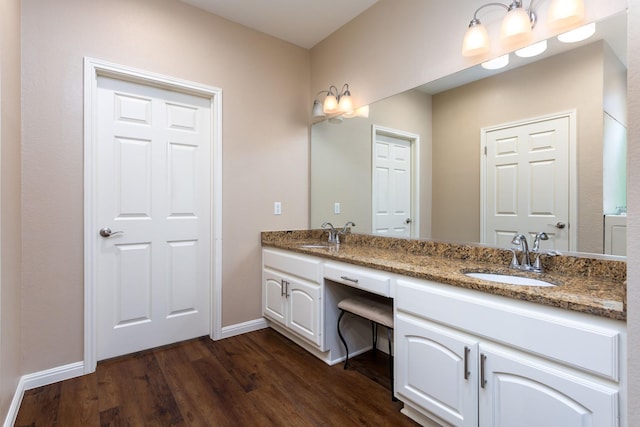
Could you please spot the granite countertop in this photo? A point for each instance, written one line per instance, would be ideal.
(589, 285)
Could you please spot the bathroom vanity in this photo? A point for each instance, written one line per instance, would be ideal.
(467, 352)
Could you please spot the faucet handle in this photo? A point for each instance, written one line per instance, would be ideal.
(514, 259)
(345, 229)
(536, 243)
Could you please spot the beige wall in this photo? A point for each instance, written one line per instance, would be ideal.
(633, 221)
(10, 300)
(342, 160)
(573, 80)
(265, 145)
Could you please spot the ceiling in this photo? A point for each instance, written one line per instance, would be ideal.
(301, 22)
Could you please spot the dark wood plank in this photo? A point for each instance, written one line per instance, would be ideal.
(256, 379)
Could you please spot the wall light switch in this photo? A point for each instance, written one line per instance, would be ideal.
(336, 208)
(277, 208)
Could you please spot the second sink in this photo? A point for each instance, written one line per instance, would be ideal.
(510, 280)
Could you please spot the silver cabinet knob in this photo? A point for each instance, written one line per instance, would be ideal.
(561, 225)
(407, 221)
(106, 232)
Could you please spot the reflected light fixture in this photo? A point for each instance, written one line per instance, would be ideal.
(532, 50)
(515, 28)
(335, 102)
(496, 63)
(358, 112)
(579, 34)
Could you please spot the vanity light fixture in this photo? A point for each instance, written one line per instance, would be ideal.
(518, 23)
(335, 102)
(579, 34)
(515, 29)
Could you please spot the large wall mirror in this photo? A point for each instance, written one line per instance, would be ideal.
(441, 130)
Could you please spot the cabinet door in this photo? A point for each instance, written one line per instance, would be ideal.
(436, 368)
(273, 299)
(520, 391)
(303, 301)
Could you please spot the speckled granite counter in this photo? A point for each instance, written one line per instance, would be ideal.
(590, 285)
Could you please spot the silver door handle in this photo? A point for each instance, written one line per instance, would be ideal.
(106, 232)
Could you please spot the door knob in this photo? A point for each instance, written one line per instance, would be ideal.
(106, 232)
(407, 221)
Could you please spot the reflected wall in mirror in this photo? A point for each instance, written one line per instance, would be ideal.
(590, 80)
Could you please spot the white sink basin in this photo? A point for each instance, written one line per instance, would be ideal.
(511, 280)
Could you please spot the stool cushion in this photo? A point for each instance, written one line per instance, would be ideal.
(374, 309)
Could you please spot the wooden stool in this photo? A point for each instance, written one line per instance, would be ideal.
(379, 311)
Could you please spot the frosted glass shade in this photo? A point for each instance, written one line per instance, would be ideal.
(565, 13)
(317, 112)
(476, 40)
(330, 104)
(345, 105)
(516, 27)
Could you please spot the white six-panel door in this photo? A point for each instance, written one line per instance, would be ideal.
(154, 194)
(528, 182)
(392, 191)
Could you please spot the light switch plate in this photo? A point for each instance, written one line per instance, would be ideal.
(336, 208)
(277, 208)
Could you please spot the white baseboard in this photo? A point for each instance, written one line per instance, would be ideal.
(39, 379)
(243, 328)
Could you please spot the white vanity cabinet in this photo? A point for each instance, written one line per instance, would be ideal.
(292, 293)
(473, 360)
(435, 370)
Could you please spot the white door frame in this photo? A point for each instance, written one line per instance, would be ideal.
(92, 69)
(414, 141)
(573, 171)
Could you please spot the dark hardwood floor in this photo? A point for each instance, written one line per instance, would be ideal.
(256, 379)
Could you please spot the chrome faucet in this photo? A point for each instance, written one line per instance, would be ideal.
(333, 233)
(525, 264)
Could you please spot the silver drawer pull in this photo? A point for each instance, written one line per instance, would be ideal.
(349, 279)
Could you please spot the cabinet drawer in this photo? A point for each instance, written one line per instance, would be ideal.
(301, 266)
(361, 278)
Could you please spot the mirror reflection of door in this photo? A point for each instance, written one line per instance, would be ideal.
(528, 182)
(393, 183)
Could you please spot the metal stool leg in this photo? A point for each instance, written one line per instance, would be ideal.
(374, 331)
(393, 397)
(346, 349)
